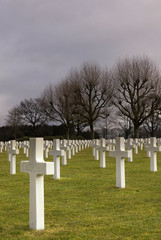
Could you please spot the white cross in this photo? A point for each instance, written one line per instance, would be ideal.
(65, 148)
(135, 143)
(129, 145)
(46, 146)
(12, 151)
(96, 146)
(120, 154)
(5, 146)
(1, 146)
(27, 149)
(93, 147)
(69, 155)
(56, 153)
(37, 168)
(73, 147)
(141, 142)
(147, 144)
(153, 149)
(80, 145)
(76, 146)
(102, 148)
(111, 144)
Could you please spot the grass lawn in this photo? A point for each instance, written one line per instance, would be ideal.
(85, 204)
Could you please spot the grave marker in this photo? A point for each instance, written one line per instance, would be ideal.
(46, 146)
(65, 148)
(12, 151)
(102, 148)
(120, 154)
(37, 168)
(1, 146)
(56, 153)
(129, 145)
(153, 149)
(96, 146)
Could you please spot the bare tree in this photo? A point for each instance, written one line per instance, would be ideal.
(58, 103)
(126, 125)
(14, 120)
(92, 93)
(137, 90)
(31, 113)
(47, 100)
(153, 123)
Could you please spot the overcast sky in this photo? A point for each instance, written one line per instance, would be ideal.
(41, 40)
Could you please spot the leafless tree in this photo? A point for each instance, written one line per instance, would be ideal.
(153, 123)
(58, 103)
(92, 93)
(31, 113)
(47, 100)
(14, 120)
(137, 90)
(126, 125)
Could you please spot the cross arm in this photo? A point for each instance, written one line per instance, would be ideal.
(39, 168)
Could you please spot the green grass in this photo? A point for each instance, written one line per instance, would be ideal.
(85, 204)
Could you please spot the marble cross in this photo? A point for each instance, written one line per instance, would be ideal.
(56, 153)
(12, 151)
(120, 154)
(37, 168)
(153, 149)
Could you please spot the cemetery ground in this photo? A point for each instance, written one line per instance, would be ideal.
(84, 203)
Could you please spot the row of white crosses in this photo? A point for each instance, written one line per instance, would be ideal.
(73, 146)
(120, 154)
(13, 150)
(37, 168)
(98, 146)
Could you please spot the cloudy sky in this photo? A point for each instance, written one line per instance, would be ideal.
(41, 40)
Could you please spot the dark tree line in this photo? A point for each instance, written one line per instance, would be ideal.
(131, 91)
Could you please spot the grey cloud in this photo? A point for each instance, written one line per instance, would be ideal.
(41, 40)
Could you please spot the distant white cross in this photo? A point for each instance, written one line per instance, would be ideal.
(1, 146)
(65, 148)
(73, 147)
(12, 151)
(56, 153)
(153, 149)
(147, 144)
(120, 154)
(69, 154)
(129, 145)
(102, 148)
(135, 143)
(37, 168)
(46, 146)
(27, 149)
(96, 146)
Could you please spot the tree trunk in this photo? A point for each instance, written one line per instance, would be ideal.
(15, 133)
(34, 131)
(67, 132)
(92, 130)
(136, 131)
